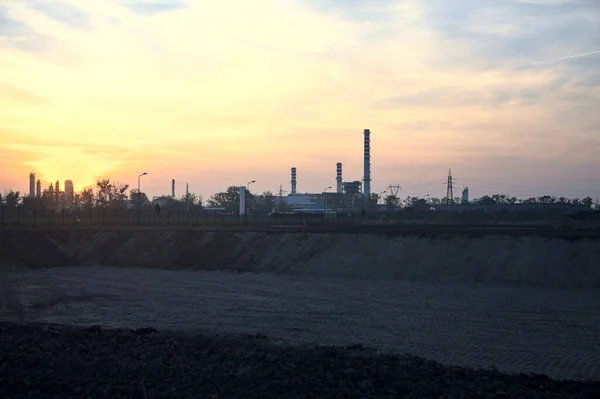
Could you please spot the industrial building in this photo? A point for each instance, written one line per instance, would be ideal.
(347, 194)
(69, 194)
(53, 192)
(32, 185)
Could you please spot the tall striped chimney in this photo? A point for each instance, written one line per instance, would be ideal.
(338, 177)
(173, 188)
(293, 180)
(367, 172)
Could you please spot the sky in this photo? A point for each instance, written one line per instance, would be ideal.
(218, 93)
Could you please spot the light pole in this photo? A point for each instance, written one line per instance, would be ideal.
(139, 194)
(325, 201)
(245, 199)
(139, 181)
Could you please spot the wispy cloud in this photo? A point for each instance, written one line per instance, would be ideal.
(10, 93)
(205, 91)
(561, 58)
(153, 7)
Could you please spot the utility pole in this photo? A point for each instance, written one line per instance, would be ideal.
(187, 195)
(449, 191)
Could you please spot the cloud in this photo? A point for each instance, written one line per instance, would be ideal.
(205, 91)
(10, 93)
(63, 13)
(153, 7)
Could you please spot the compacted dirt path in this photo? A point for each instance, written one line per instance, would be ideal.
(553, 332)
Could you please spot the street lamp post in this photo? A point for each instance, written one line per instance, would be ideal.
(139, 194)
(139, 181)
(246, 202)
(325, 203)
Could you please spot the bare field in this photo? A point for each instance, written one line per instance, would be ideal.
(553, 332)
(523, 303)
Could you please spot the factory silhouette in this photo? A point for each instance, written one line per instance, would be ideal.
(53, 190)
(348, 196)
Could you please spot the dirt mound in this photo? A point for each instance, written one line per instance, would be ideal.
(41, 359)
(535, 261)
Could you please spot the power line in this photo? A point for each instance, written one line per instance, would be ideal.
(527, 189)
(523, 186)
(424, 184)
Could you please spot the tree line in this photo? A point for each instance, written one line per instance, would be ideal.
(261, 204)
(104, 195)
(495, 199)
(114, 195)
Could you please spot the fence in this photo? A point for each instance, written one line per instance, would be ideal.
(31, 217)
(22, 217)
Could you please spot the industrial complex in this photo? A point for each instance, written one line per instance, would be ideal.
(53, 191)
(348, 195)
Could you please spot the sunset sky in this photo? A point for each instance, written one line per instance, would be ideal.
(218, 93)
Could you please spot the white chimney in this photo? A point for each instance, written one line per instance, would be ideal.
(367, 160)
(338, 177)
(293, 181)
(242, 200)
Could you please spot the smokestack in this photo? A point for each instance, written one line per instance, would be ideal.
(293, 181)
(38, 189)
(367, 173)
(32, 185)
(338, 178)
(173, 188)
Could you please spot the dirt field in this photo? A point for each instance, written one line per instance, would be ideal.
(519, 304)
(553, 332)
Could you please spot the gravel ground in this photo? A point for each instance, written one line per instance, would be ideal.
(50, 361)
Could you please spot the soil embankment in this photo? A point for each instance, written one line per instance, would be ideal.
(498, 259)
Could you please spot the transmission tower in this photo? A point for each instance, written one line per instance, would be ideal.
(449, 191)
(394, 189)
